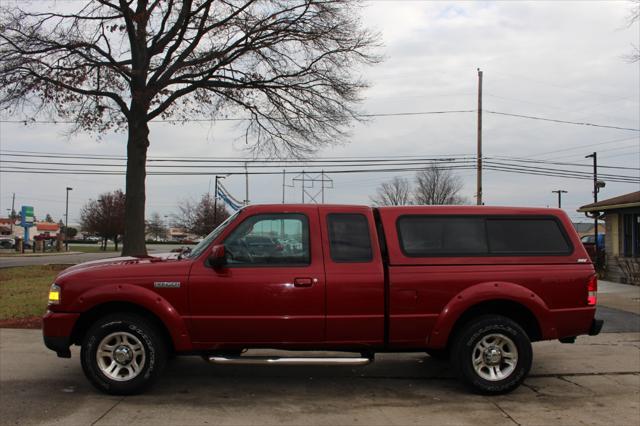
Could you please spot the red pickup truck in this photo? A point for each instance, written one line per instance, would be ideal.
(475, 285)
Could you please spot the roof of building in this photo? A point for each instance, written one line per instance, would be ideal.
(625, 201)
(582, 226)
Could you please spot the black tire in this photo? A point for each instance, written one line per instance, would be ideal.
(464, 350)
(137, 330)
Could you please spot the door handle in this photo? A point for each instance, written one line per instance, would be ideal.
(304, 282)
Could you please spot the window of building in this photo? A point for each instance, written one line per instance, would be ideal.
(631, 234)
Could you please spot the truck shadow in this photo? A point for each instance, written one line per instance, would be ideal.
(186, 375)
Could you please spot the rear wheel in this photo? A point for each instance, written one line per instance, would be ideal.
(123, 354)
(492, 354)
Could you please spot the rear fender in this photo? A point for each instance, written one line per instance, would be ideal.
(485, 292)
(144, 298)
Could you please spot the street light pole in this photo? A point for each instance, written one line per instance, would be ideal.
(215, 200)
(479, 135)
(559, 192)
(66, 222)
(596, 188)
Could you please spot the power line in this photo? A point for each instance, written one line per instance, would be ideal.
(208, 120)
(270, 163)
(245, 160)
(505, 167)
(48, 170)
(583, 146)
(560, 163)
(578, 123)
(378, 115)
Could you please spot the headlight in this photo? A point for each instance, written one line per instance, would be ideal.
(54, 294)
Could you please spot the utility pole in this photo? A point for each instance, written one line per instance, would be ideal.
(66, 222)
(596, 187)
(246, 184)
(11, 215)
(479, 159)
(322, 185)
(303, 187)
(559, 192)
(284, 176)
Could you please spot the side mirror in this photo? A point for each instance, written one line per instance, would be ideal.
(218, 257)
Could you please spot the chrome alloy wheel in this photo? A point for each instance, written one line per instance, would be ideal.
(121, 356)
(494, 357)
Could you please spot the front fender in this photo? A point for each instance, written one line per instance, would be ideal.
(486, 292)
(142, 297)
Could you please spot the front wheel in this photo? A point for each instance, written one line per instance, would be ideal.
(492, 354)
(123, 354)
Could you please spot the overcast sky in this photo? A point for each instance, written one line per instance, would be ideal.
(561, 60)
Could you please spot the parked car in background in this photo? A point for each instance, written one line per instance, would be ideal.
(7, 243)
(588, 241)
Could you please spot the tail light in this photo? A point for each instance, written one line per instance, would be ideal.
(592, 291)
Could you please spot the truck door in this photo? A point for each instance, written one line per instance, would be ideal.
(272, 288)
(354, 276)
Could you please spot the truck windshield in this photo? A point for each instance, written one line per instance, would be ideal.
(202, 245)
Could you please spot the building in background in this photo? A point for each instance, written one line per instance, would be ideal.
(622, 236)
(6, 226)
(586, 228)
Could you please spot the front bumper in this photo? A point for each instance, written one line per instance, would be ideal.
(57, 328)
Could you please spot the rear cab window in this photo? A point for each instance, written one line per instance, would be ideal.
(349, 238)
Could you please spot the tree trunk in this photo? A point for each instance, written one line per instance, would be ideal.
(138, 141)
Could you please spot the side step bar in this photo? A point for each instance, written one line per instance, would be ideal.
(266, 360)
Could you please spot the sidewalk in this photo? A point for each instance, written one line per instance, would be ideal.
(624, 297)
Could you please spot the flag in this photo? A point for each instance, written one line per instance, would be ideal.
(228, 199)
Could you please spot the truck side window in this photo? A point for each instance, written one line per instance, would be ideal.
(422, 236)
(349, 238)
(425, 236)
(526, 236)
(278, 239)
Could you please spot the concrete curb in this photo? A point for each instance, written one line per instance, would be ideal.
(17, 256)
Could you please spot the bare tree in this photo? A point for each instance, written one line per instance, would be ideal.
(156, 227)
(199, 218)
(286, 65)
(396, 192)
(437, 186)
(105, 216)
(632, 18)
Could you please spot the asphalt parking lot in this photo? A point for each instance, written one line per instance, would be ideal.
(594, 381)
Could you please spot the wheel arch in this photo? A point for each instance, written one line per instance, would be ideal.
(103, 300)
(515, 311)
(90, 316)
(507, 299)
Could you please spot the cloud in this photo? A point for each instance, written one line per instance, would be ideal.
(551, 59)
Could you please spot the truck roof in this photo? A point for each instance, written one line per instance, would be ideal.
(447, 209)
